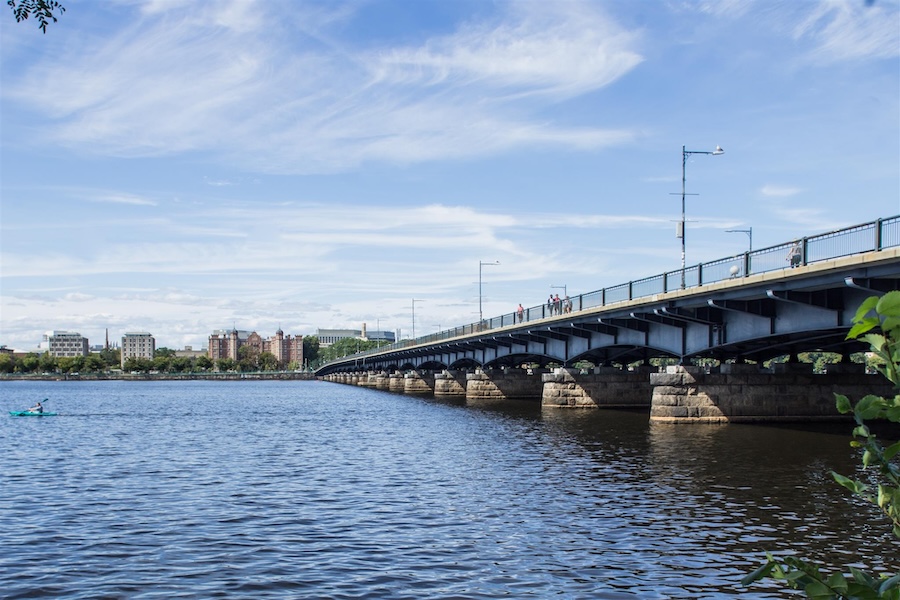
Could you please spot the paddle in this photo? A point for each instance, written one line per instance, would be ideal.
(33, 409)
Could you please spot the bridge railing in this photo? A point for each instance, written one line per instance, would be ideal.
(866, 237)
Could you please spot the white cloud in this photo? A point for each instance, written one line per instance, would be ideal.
(123, 199)
(231, 84)
(558, 49)
(780, 191)
(850, 30)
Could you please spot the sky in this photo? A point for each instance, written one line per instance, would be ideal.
(182, 166)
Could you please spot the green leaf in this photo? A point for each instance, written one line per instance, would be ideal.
(837, 582)
(860, 431)
(867, 306)
(760, 573)
(868, 458)
(893, 414)
(889, 304)
(869, 407)
(891, 451)
(875, 340)
(857, 487)
(861, 327)
(843, 404)
(890, 323)
(890, 583)
(862, 577)
(817, 589)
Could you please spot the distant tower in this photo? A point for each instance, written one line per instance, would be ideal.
(107, 338)
(363, 332)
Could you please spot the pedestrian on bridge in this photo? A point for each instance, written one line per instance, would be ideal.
(795, 256)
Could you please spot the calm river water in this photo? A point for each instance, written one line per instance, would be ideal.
(302, 489)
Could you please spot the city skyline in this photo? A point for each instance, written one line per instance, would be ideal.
(179, 167)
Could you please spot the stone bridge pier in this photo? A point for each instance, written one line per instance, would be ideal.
(603, 387)
(396, 382)
(418, 383)
(746, 393)
(504, 384)
(450, 385)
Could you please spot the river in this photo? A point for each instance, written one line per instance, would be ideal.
(304, 489)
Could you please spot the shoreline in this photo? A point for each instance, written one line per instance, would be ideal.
(286, 376)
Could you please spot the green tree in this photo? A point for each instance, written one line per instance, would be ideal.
(203, 363)
(166, 352)
(226, 364)
(310, 348)
(347, 347)
(7, 363)
(42, 10)
(71, 364)
(268, 362)
(47, 363)
(112, 357)
(181, 364)
(248, 358)
(93, 363)
(882, 463)
(162, 363)
(30, 363)
(141, 365)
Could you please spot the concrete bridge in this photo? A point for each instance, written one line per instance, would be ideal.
(752, 307)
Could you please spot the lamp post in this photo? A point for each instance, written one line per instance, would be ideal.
(561, 287)
(684, 156)
(481, 264)
(749, 233)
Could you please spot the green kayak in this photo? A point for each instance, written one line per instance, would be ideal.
(27, 413)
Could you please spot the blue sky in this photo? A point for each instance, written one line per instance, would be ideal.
(183, 166)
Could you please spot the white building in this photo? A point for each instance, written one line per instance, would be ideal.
(65, 343)
(328, 337)
(138, 345)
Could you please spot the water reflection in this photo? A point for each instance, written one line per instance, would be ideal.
(296, 489)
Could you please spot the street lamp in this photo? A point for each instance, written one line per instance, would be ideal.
(684, 156)
(560, 287)
(481, 264)
(749, 233)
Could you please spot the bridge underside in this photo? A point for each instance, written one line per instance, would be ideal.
(755, 318)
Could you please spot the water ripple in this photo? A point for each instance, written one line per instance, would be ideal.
(311, 490)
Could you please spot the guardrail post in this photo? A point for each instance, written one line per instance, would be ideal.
(746, 264)
(878, 226)
(629, 291)
(700, 274)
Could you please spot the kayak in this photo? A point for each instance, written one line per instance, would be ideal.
(26, 413)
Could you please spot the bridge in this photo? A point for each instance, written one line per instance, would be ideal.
(794, 297)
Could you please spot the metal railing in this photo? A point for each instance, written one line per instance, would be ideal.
(867, 237)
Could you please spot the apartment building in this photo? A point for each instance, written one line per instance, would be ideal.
(65, 343)
(138, 345)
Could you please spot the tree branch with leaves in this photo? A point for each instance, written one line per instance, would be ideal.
(42, 10)
(877, 321)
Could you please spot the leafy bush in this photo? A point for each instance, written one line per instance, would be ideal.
(884, 490)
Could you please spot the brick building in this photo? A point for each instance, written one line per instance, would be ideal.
(226, 344)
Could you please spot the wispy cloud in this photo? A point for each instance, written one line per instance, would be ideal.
(780, 191)
(849, 30)
(123, 199)
(558, 50)
(276, 104)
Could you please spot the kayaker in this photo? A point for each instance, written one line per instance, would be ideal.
(37, 408)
